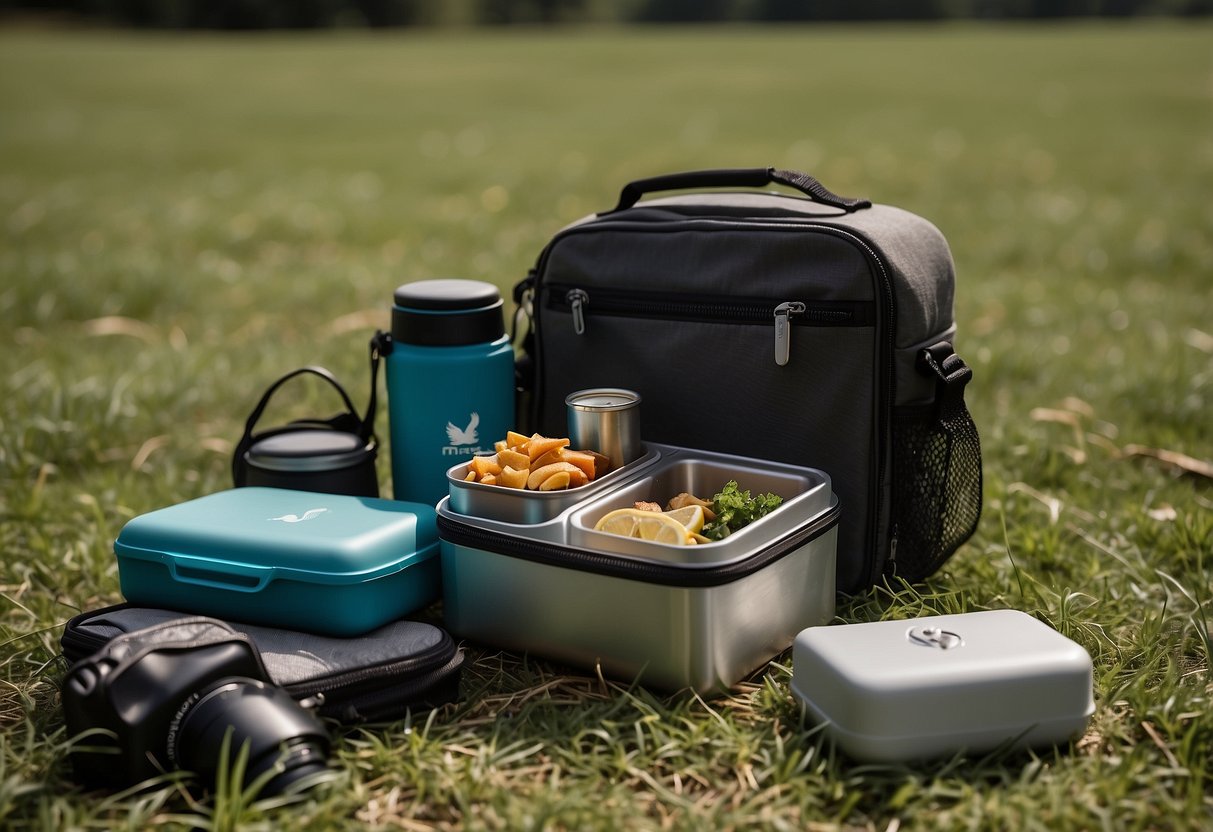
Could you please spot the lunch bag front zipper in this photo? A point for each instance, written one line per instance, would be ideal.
(781, 315)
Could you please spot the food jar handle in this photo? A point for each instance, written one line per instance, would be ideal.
(350, 420)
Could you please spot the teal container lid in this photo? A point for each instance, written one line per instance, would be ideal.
(255, 535)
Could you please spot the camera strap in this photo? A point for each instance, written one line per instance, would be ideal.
(187, 633)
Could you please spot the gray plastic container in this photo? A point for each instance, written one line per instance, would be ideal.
(671, 617)
(890, 691)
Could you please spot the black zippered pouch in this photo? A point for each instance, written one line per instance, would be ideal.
(806, 327)
(375, 677)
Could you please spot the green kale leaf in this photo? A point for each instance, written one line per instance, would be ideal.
(736, 509)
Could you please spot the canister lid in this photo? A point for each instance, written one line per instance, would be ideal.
(603, 399)
(447, 313)
(309, 451)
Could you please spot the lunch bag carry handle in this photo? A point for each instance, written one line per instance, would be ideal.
(738, 178)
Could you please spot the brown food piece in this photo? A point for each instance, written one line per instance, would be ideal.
(539, 475)
(583, 460)
(554, 455)
(556, 482)
(684, 499)
(602, 463)
(540, 445)
(513, 478)
(514, 459)
(484, 465)
(644, 505)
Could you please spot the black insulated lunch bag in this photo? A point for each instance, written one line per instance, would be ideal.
(802, 327)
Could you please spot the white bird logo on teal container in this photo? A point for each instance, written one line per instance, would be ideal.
(295, 518)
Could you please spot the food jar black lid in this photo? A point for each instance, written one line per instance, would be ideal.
(306, 451)
(447, 313)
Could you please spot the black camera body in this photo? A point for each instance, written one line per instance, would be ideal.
(164, 698)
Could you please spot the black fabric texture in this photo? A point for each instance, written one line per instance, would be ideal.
(714, 384)
(305, 663)
(937, 475)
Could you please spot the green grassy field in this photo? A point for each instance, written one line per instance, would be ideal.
(184, 219)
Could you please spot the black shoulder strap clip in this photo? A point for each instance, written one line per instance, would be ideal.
(950, 370)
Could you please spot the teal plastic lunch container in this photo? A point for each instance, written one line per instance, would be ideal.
(324, 563)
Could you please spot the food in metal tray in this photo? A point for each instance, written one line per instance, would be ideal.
(736, 509)
(687, 519)
(537, 463)
(675, 528)
(684, 499)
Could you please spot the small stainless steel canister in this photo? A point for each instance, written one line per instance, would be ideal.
(607, 420)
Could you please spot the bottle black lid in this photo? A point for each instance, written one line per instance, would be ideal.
(447, 313)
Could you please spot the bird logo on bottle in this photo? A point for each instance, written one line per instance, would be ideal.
(464, 436)
(463, 441)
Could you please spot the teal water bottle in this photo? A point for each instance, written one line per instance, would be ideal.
(450, 381)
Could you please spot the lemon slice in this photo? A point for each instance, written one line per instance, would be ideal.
(621, 522)
(660, 528)
(689, 516)
(646, 525)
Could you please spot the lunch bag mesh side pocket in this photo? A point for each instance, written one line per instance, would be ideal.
(936, 477)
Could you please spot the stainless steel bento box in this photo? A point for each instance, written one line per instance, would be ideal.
(672, 617)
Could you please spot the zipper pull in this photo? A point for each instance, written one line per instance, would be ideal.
(313, 702)
(783, 329)
(578, 299)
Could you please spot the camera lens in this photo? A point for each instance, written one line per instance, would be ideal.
(279, 733)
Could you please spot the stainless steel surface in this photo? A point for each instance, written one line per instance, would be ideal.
(554, 530)
(607, 420)
(669, 637)
(516, 505)
(806, 494)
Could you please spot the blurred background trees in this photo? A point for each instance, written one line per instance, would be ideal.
(312, 14)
